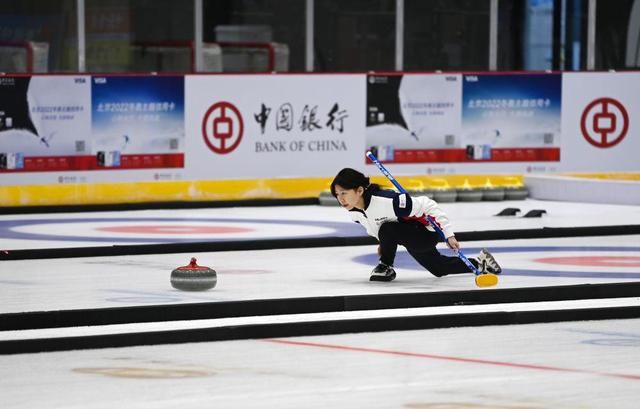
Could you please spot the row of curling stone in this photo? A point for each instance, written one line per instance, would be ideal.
(441, 191)
(193, 277)
(489, 192)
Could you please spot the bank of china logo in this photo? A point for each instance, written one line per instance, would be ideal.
(222, 127)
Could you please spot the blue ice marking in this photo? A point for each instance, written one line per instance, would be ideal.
(404, 260)
(343, 229)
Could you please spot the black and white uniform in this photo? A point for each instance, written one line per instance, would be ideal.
(399, 219)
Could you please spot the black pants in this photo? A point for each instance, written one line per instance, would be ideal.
(421, 244)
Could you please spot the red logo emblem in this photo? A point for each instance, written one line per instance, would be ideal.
(604, 122)
(222, 127)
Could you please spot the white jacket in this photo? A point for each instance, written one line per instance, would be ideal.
(386, 206)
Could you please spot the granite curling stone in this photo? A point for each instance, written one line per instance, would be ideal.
(193, 277)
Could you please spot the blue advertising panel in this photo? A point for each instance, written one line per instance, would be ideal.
(138, 121)
(511, 117)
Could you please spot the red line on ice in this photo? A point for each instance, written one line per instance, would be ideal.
(452, 358)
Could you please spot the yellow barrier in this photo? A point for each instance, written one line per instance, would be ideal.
(629, 176)
(215, 190)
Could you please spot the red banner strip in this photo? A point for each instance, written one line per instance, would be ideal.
(460, 155)
(90, 162)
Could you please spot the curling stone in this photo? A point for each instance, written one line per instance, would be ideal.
(193, 277)
(421, 192)
(327, 199)
(515, 193)
(469, 195)
(492, 193)
(445, 195)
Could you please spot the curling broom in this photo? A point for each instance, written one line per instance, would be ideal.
(482, 280)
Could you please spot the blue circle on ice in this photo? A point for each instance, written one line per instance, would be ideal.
(7, 229)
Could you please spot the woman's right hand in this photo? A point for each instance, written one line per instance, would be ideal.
(453, 243)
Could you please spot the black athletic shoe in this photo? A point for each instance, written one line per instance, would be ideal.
(487, 263)
(383, 272)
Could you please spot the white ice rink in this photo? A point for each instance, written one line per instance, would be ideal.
(573, 365)
(566, 365)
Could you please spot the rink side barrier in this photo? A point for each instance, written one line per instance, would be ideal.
(302, 242)
(78, 196)
(610, 188)
(309, 305)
